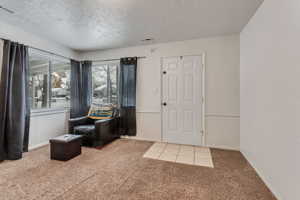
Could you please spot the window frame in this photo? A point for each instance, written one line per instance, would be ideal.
(50, 59)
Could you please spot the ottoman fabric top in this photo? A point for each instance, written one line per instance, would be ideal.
(66, 138)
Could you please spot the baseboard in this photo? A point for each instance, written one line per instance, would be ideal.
(153, 140)
(263, 178)
(139, 138)
(223, 147)
(38, 146)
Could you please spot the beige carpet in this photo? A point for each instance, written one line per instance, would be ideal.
(119, 171)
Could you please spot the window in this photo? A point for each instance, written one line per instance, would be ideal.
(49, 82)
(105, 83)
(60, 84)
(38, 82)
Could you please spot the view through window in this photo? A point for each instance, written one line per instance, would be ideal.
(49, 82)
(105, 82)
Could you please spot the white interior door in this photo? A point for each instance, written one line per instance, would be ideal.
(182, 100)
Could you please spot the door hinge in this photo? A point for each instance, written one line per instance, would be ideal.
(202, 99)
(202, 132)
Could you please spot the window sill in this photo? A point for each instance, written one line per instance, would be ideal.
(45, 112)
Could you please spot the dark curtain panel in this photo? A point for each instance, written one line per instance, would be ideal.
(14, 102)
(81, 88)
(127, 96)
(75, 88)
(86, 86)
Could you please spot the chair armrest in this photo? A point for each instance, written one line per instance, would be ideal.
(106, 128)
(77, 122)
(101, 121)
(79, 119)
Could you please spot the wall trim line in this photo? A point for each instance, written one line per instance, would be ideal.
(221, 115)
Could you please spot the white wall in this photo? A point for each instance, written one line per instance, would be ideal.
(222, 85)
(270, 95)
(45, 126)
(42, 128)
(14, 33)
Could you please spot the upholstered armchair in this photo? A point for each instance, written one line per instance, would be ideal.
(96, 132)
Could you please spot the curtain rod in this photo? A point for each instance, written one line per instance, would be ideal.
(116, 59)
(45, 51)
(49, 52)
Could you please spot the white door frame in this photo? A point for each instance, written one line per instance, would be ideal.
(203, 56)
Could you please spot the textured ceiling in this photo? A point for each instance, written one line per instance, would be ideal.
(102, 24)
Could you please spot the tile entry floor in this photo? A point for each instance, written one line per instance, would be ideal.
(184, 154)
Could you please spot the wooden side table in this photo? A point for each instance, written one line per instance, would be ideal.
(65, 147)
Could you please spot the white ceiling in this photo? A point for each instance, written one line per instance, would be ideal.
(100, 24)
